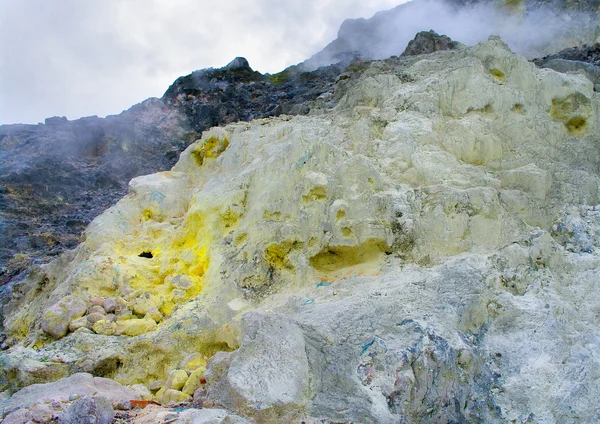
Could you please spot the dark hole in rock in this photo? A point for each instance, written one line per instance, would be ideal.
(145, 255)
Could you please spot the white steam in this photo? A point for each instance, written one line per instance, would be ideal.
(535, 33)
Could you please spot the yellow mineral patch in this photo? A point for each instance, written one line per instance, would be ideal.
(340, 214)
(315, 194)
(147, 214)
(196, 361)
(573, 111)
(277, 254)
(519, 108)
(337, 262)
(347, 232)
(134, 327)
(241, 238)
(576, 125)
(272, 216)
(231, 217)
(210, 148)
(497, 73)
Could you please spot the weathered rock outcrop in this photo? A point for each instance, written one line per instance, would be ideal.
(59, 175)
(582, 59)
(424, 251)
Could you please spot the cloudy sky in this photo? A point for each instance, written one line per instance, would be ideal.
(96, 57)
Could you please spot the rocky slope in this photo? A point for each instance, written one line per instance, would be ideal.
(59, 175)
(424, 250)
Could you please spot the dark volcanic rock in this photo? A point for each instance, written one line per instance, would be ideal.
(585, 53)
(212, 97)
(57, 176)
(428, 42)
(583, 59)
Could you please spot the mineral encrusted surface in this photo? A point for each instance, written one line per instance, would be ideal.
(423, 250)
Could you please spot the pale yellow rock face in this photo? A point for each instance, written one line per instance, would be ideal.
(176, 380)
(472, 159)
(194, 381)
(174, 396)
(104, 327)
(134, 327)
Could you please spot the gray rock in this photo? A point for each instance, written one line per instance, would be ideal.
(88, 410)
(428, 42)
(110, 305)
(268, 374)
(20, 416)
(209, 416)
(81, 384)
(592, 72)
(56, 319)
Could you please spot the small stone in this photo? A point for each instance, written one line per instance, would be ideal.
(105, 327)
(110, 305)
(96, 309)
(74, 396)
(200, 397)
(122, 405)
(20, 416)
(145, 302)
(124, 316)
(142, 390)
(176, 379)
(155, 315)
(159, 395)
(135, 327)
(78, 323)
(41, 413)
(156, 385)
(55, 321)
(95, 317)
(178, 295)
(182, 282)
(97, 301)
(194, 381)
(111, 317)
(176, 396)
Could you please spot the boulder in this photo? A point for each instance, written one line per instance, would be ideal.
(56, 319)
(81, 384)
(269, 374)
(176, 379)
(88, 410)
(428, 42)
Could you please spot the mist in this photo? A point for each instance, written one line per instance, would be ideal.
(533, 33)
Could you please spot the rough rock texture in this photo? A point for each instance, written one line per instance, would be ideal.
(235, 92)
(589, 53)
(273, 345)
(426, 42)
(63, 390)
(582, 59)
(43, 211)
(153, 414)
(88, 410)
(425, 251)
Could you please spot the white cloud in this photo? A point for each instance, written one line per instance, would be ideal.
(78, 58)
